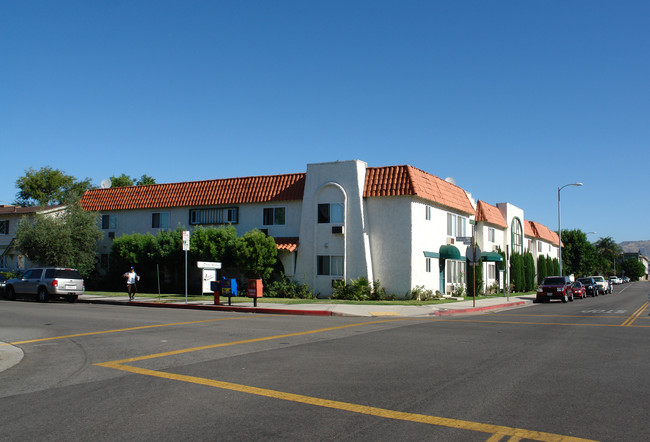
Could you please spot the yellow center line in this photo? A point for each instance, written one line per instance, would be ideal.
(497, 431)
(628, 322)
(353, 408)
(143, 327)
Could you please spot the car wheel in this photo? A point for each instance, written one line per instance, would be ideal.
(565, 298)
(11, 294)
(42, 295)
(571, 298)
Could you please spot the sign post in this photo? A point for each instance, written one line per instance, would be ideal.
(186, 247)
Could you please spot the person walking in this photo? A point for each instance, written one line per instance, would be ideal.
(131, 279)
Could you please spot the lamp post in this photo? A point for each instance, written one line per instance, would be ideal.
(559, 222)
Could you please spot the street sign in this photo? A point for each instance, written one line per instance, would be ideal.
(464, 239)
(473, 253)
(208, 265)
(186, 240)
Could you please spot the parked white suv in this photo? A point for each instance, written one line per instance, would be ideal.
(603, 285)
(47, 283)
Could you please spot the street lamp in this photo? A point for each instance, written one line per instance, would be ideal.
(559, 222)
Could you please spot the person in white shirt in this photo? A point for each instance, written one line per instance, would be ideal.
(131, 279)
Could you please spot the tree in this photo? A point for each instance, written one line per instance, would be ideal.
(48, 186)
(579, 256)
(633, 268)
(608, 252)
(124, 181)
(529, 271)
(541, 269)
(256, 254)
(64, 240)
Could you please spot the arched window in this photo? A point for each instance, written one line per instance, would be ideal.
(517, 237)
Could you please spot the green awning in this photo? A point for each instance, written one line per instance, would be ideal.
(449, 252)
(491, 256)
(432, 254)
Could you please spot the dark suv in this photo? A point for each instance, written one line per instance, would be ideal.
(555, 287)
(591, 285)
(47, 283)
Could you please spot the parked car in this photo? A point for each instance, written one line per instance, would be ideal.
(590, 285)
(47, 283)
(555, 287)
(603, 286)
(625, 279)
(615, 280)
(579, 290)
(3, 280)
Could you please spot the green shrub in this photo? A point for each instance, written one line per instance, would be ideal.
(360, 290)
(288, 289)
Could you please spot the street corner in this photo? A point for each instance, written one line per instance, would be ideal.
(9, 356)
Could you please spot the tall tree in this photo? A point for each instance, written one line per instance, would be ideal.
(66, 240)
(124, 181)
(579, 255)
(608, 253)
(48, 186)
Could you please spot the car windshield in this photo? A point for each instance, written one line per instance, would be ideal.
(585, 280)
(554, 281)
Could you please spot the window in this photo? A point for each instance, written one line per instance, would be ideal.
(274, 216)
(330, 213)
(427, 214)
(428, 265)
(492, 272)
(491, 234)
(456, 225)
(220, 215)
(517, 238)
(329, 265)
(103, 261)
(160, 220)
(4, 227)
(540, 246)
(109, 222)
(455, 272)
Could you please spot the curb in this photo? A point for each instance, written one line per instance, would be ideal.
(451, 312)
(223, 308)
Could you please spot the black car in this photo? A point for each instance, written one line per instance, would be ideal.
(591, 285)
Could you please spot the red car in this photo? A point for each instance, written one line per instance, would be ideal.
(579, 290)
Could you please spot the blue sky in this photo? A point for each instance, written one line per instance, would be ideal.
(510, 98)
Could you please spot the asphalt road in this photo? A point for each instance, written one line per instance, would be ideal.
(543, 372)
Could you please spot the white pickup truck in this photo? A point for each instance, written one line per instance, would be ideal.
(603, 285)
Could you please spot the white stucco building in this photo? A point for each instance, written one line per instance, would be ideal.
(337, 221)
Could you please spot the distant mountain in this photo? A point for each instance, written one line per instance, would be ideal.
(636, 246)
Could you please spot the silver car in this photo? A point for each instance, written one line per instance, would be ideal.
(47, 283)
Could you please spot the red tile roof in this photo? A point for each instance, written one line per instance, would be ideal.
(380, 181)
(288, 187)
(286, 243)
(540, 231)
(490, 214)
(18, 210)
(408, 180)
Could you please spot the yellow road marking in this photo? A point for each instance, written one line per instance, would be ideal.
(540, 323)
(500, 431)
(628, 322)
(248, 341)
(346, 406)
(143, 327)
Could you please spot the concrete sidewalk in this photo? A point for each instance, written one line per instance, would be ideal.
(361, 310)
